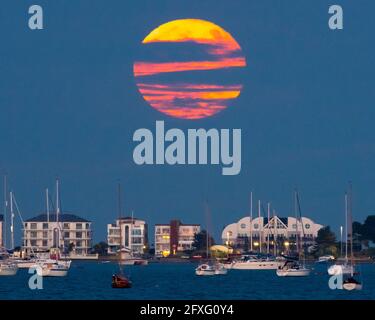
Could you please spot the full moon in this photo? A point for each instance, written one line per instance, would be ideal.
(188, 69)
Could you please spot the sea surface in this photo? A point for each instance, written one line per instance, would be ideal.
(164, 281)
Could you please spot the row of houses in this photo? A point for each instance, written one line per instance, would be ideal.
(71, 231)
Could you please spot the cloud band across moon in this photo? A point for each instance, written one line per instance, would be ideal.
(183, 99)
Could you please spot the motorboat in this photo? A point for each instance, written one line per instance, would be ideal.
(292, 269)
(55, 269)
(220, 269)
(325, 258)
(253, 262)
(205, 269)
(8, 268)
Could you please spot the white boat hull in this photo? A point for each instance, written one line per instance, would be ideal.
(205, 272)
(303, 272)
(352, 286)
(8, 270)
(256, 265)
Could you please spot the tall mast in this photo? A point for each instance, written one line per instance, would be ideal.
(11, 222)
(251, 221)
(47, 206)
(57, 212)
(5, 211)
(351, 225)
(260, 231)
(274, 233)
(346, 227)
(296, 217)
(119, 212)
(268, 229)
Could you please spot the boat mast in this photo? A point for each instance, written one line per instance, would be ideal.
(119, 212)
(47, 208)
(295, 214)
(5, 211)
(268, 229)
(260, 231)
(274, 233)
(351, 228)
(57, 212)
(11, 221)
(346, 227)
(251, 221)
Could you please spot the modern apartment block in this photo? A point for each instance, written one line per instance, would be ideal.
(173, 237)
(69, 233)
(128, 232)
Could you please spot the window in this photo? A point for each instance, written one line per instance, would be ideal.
(137, 232)
(294, 226)
(66, 225)
(79, 244)
(136, 240)
(45, 243)
(243, 226)
(33, 234)
(33, 226)
(45, 234)
(45, 225)
(78, 235)
(256, 226)
(79, 226)
(25, 225)
(307, 226)
(66, 234)
(33, 243)
(87, 226)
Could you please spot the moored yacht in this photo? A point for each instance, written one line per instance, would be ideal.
(252, 262)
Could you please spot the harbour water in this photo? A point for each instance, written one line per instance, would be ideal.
(92, 280)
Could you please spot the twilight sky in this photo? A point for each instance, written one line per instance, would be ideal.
(70, 104)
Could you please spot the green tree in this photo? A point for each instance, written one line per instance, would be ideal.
(200, 241)
(326, 241)
(100, 248)
(71, 247)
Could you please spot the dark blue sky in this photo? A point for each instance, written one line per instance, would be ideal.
(69, 107)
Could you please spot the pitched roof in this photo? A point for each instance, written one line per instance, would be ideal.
(63, 217)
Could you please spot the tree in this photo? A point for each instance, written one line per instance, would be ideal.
(200, 241)
(71, 247)
(101, 248)
(326, 241)
(368, 229)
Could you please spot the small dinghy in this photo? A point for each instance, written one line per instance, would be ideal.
(120, 281)
(352, 284)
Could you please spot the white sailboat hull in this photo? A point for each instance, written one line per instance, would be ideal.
(352, 286)
(8, 269)
(255, 265)
(303, 272)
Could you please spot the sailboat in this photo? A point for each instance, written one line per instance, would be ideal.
(210, 268)
(292, 267)
(119, 280)
(53, 267)
(343, 268)
(350, 283)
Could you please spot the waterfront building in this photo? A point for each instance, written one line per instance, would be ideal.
(1, 230)
(175, 236)
(128, 232)
(277, 228)
(70, 233)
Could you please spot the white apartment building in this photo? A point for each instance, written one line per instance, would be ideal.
(128, 232)
(277, 227)
(71, 234)
(175, 236)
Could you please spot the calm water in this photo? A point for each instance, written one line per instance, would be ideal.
(92, 280)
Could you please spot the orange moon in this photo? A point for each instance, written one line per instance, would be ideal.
(188, 68)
